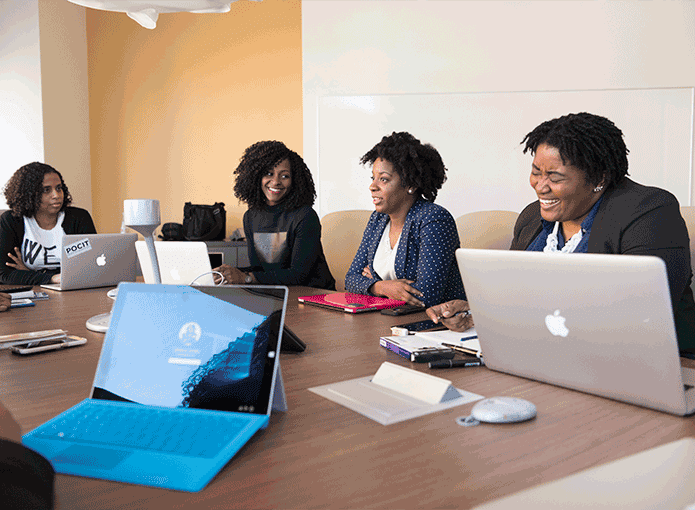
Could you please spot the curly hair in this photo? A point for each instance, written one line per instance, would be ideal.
(591, 143)
(262, 157)
(418, 165)
(24, 191)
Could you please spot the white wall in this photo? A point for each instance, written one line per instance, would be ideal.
(405, 47)
(21, 119)
(478, 137)
(44, 109)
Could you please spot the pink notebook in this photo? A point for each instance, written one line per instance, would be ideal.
(351, 303)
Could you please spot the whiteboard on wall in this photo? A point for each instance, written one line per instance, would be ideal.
(478, 136)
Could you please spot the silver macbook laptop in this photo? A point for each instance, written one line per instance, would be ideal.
(96, 260)
(180, 262)
(602, 324)
(186, 376)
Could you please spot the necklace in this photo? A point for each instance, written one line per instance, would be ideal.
(569, 247)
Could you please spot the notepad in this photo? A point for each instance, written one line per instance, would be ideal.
(408, 345)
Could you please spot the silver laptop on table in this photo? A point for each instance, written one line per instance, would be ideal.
(180, 262)
(602, 324)
(186, 376)
(96, 260)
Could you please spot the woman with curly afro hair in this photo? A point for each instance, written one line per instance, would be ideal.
(31, 232)
(587, 204)
(407, 250)
(283, 232)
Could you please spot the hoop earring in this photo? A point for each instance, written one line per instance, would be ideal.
(598, 188)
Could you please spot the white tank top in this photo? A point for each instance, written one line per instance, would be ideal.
(385, 256)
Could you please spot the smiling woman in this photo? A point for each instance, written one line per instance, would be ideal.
(283, 232)
(31, 232)
(407, 250)
(587, 204)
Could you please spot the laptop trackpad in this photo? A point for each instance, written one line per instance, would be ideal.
(93, 456)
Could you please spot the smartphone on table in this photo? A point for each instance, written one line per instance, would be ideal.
(48, 345)
(402, 310)
(411, 328)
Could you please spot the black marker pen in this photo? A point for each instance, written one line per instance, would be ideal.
(454, 363)
(431, 355)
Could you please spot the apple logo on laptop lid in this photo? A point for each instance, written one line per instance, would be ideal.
(101, 260)
(556, 324)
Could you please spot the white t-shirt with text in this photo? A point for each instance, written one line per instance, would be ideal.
(41, 248)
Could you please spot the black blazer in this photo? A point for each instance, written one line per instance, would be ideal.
(636, 220)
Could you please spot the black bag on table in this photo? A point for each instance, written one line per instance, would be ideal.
(172, 232)
(204, 222)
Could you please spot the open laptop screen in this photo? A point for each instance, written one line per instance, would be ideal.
(204, 347)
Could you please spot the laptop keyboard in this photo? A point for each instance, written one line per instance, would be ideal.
(146, 428)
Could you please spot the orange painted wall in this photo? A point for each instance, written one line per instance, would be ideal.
(172, 109)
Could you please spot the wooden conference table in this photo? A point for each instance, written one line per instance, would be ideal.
(322, 455)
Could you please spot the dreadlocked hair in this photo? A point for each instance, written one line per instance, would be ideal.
(591, 143)
(261, 158)
(418, 165)
(24, 191)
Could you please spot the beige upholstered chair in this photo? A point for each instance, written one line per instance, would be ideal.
(688, 213)
(341, 234)
(487, 229)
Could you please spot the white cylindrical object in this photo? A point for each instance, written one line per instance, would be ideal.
(142, 215)
(141, 211)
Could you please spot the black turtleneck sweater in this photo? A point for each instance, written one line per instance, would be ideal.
(285, 247)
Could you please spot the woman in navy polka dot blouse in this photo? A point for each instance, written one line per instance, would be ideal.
(407, 250)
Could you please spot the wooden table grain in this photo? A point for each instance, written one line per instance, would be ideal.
(322, 455)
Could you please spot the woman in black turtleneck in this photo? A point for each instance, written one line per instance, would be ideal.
(283, 232)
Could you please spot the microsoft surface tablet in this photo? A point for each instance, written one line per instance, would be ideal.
(187, 375)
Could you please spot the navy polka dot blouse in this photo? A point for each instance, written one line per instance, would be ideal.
(425, 254)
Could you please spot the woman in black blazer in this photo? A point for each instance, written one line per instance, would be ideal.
(587, 204)
(31, 231)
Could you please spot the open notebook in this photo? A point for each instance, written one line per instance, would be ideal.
(186, 376)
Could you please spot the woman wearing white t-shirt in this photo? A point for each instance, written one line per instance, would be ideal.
(31, 232)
